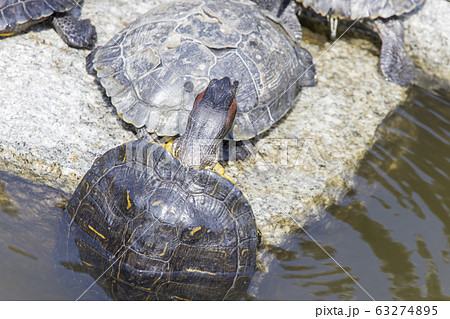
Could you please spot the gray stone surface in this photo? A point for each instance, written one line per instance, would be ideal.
(55, 120)
(427, 40)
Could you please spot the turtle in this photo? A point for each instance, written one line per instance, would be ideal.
(285, 12)
(381, 16)
(167, 223)
(153, 69)
(18, 15)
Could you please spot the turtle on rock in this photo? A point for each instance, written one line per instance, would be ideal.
(18, 15)
(383, 17)
(283, 11)
(155, 223)
(153, 69)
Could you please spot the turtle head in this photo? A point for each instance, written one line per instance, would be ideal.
(211, 119)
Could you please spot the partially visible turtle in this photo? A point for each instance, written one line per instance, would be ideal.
(284, 11)
(18, 15)
(383, 17)
(154, 68)
(165, 227)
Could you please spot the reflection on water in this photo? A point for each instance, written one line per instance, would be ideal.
(391, 232)
(30, 232)
(27, 239)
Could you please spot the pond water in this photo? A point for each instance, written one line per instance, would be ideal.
(391, 232)
(387, 239)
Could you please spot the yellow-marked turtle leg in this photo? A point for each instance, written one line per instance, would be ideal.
(169, 146)
(221, 171)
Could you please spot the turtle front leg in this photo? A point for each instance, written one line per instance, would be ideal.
(394, 62)
(75, 32)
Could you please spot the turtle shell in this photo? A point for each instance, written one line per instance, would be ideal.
(155, 67)
(162, 229)
(355, 9)
(18, 15)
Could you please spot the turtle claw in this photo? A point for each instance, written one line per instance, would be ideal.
(394, 63)
(333, 21)
(75, 32)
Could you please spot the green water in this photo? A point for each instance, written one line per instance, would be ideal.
(390, 233)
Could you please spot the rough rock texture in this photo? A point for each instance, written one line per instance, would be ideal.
(427, 40)
(55, 119)
(304, 163)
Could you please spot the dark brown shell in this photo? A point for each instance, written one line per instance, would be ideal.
(169, 231)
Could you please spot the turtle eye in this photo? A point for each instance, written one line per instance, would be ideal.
(188, 86)
(192, 235)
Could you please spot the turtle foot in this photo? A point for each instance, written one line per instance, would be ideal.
(394, 63)
(75, 32)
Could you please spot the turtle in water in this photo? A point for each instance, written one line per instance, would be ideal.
(153, 69)
(382, 17)
(18, 15)
(165, 226)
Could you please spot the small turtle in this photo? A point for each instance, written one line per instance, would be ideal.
(18, 15)
(382, 16)
(154, 68)
(163, 227)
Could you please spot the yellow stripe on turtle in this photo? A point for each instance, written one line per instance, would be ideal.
(7, 34)
(118, 268)
(132, 234)
(232, 208)
(92, 228)
(179, 298)
(214, 190)
(164, 250)
(221, 171)
(157, 202)
(169, 146)
(196, 229)
(86, 263)
(128, 200)
(200, 271)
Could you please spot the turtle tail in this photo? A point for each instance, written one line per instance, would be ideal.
(308, 72)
